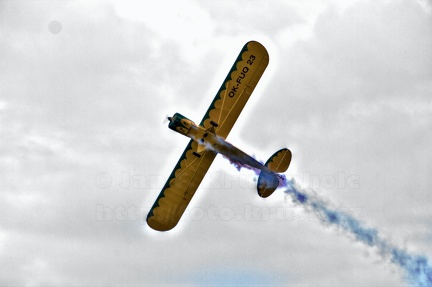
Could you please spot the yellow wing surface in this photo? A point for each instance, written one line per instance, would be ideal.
(224, 110)
(237, 88)
(179, 188)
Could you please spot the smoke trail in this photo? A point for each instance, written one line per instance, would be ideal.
(418, 270)
(238, 165)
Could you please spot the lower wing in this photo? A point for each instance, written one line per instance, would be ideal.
(179, 188)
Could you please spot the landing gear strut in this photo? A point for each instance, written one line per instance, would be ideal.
(196, 154)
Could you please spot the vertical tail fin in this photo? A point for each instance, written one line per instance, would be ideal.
(277, 163)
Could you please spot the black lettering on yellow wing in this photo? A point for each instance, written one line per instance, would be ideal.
(237, 88)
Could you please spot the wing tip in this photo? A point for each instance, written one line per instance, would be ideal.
(154, 224)
(250, 45)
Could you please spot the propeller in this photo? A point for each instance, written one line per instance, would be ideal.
(166, 119)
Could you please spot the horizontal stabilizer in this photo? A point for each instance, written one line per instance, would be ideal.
(279, 161)
(267, 184)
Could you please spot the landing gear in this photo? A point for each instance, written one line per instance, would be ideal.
(214, 124)
(204, 136)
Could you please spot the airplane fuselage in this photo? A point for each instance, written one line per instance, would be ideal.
(208, 140)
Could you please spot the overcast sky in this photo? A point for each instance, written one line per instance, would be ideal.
(84, 88)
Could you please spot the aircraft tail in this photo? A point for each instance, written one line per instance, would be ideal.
(277, 163)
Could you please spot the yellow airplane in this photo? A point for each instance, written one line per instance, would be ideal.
(208, 139)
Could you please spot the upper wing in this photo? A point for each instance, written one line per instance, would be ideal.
(237, 87)
(179, 188)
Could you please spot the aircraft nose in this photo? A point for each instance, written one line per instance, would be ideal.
(170, 119)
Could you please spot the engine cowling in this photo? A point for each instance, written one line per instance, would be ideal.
(180, 124)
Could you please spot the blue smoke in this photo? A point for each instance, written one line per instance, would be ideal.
(418, 269)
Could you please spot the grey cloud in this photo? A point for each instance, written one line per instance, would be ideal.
(87, 103)
(240, 17)
(355, 99)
